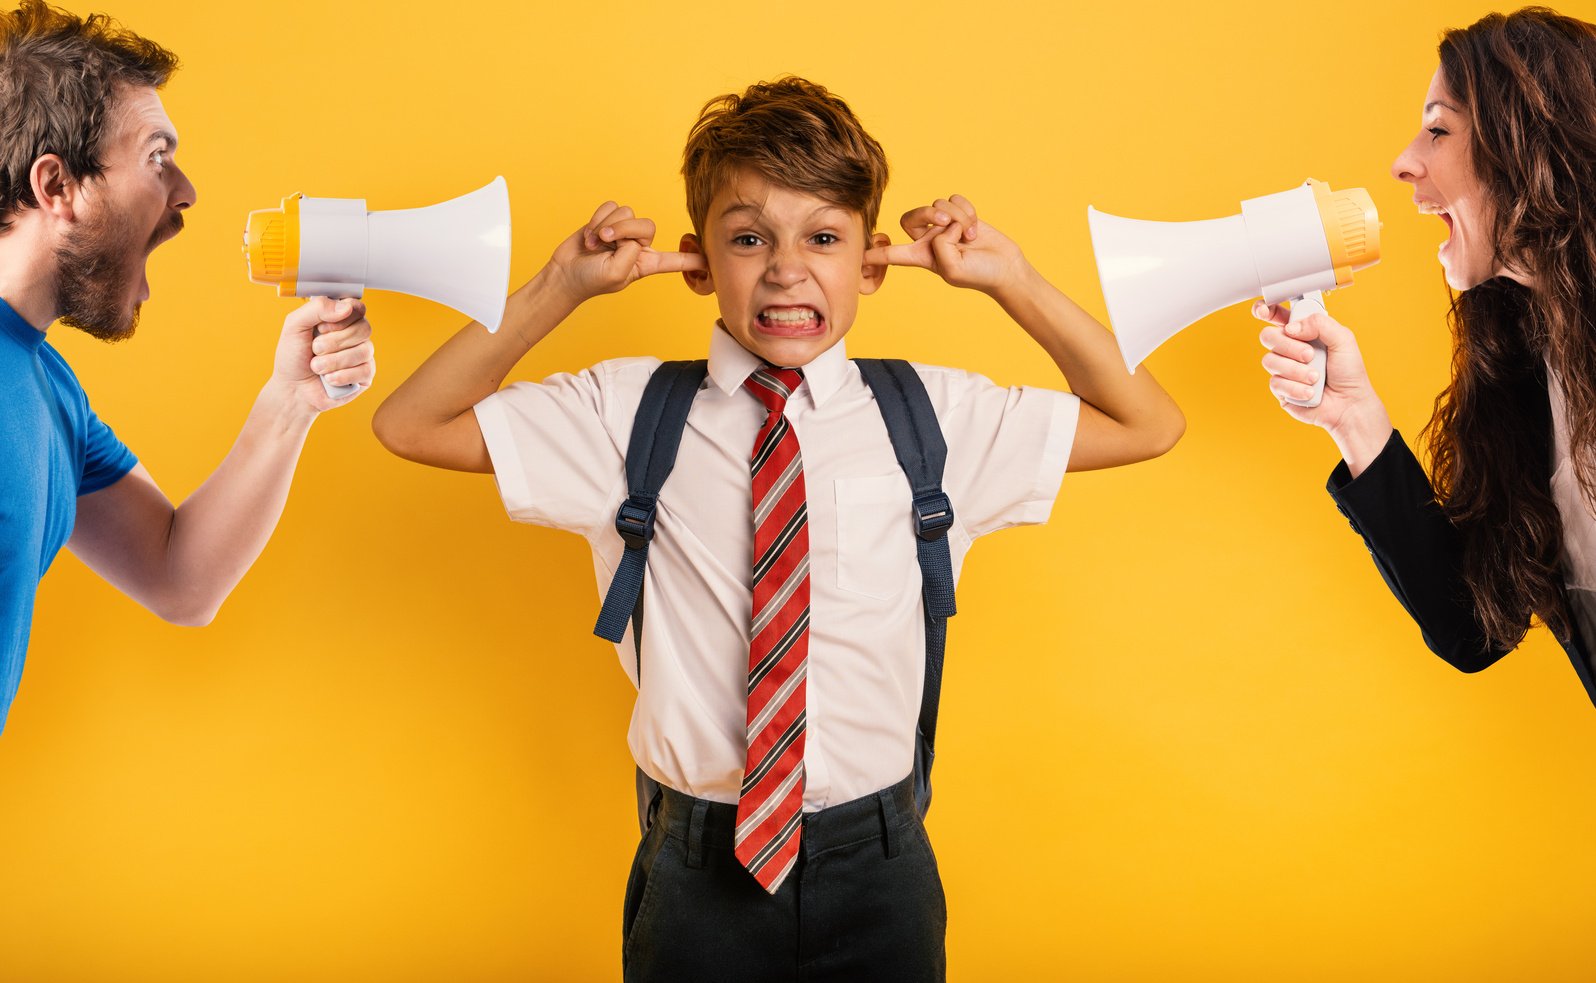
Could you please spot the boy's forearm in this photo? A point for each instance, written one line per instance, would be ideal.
(1086, 353)
(472, 365)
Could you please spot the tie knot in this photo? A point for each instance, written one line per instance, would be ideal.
(773, 386)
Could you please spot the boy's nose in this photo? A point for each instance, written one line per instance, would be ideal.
(785, 269)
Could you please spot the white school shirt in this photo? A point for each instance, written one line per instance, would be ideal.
(559, 447)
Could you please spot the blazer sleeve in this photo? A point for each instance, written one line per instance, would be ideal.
(1417, 550)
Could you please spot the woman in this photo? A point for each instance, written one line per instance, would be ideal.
(1507, 532)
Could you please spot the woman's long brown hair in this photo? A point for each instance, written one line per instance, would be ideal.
(1528, 81)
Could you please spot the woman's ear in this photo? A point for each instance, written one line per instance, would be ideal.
(699, 281)
(872, 274)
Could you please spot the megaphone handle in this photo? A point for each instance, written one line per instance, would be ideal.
(1308, 304)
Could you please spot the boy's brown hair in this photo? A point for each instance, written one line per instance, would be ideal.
(58, 79)
(794, 134)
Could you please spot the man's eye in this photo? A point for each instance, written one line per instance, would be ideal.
(159, 157)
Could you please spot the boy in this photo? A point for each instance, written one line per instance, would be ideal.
(782, 657)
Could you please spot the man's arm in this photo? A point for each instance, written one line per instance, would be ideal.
(182, 562)
(1124, 418)
(429, 418)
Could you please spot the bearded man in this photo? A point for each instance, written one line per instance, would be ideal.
(89, 187)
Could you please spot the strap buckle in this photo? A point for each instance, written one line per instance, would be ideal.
(635, 522)
(933, 516)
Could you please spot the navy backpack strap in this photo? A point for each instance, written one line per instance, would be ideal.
(922, 454)
(650, 455)
(656, 435)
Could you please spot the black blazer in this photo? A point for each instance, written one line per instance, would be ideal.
(1418, 551)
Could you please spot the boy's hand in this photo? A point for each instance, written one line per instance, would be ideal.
(950, 240)
(611, 251)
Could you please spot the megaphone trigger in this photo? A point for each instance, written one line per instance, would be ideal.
(1304, 307)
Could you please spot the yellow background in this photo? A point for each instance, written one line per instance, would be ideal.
(1187, 733)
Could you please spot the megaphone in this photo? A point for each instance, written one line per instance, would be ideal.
(456, 253)
(1160, 277)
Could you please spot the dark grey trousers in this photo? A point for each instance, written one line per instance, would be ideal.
(864, 901)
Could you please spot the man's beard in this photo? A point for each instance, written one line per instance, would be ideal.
(93, 281)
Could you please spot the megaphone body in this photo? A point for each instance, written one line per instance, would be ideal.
(456, 253)
(1160, 277)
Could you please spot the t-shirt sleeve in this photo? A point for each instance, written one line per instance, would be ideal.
(559, 446)
(105, 458)
(1008, 447)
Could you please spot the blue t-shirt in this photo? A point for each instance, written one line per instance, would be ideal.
(52, 449)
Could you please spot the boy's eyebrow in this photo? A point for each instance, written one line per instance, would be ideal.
(759, 209)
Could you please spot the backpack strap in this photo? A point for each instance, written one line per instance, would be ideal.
(650, 456)
(922, 454)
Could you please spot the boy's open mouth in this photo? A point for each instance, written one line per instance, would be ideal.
(791, 322)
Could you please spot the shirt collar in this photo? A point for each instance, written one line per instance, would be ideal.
(12, 325)
(730, 364)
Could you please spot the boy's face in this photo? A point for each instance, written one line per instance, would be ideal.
(787, 268)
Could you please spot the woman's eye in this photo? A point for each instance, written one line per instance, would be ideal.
(1436, 132)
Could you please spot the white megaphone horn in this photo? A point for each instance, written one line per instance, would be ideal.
(456, 252)
(1160, 277)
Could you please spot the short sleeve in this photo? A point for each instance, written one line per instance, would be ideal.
(559, 446)
(106, 460)
(1007, 447)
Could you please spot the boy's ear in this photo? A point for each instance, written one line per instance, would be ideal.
(699, 281)
(871, 276)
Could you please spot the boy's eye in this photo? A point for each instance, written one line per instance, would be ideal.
(747, 239)
(825, 238)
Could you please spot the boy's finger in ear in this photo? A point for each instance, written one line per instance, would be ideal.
(673, 262)
(897, 254)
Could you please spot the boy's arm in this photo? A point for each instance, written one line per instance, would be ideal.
(1124, 418)
(429, 418)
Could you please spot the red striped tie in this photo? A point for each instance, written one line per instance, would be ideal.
(770, 806)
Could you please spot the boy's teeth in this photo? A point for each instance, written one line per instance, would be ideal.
(789, 315)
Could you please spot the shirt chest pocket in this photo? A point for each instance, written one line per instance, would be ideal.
(875, 535)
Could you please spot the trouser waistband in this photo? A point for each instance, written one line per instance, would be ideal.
(704, 825)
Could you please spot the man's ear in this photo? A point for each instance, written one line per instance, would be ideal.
(699, 281)
(55, 191)
(871, 276)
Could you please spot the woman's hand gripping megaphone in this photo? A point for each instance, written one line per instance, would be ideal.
(1314, 366)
